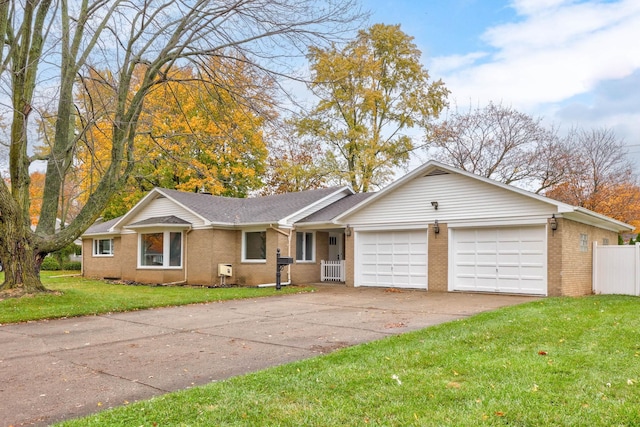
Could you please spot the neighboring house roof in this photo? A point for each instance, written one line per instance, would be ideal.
(436, 168)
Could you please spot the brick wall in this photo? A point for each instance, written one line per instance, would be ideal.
(205, 250)
(570, 266)
(101, 266)
(438, 253)
(309, 272)
(349, 255)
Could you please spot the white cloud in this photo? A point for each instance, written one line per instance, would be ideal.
(559, 50)
(532, 7)
(444, 64)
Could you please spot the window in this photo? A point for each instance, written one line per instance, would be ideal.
(103, 247)
(605, 241)
(584, 243)
(304, 246)
(162, 249)
(255, 245)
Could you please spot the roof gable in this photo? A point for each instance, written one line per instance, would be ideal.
(279, 208)
(461, 195)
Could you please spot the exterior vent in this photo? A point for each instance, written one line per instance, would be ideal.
(437, 172)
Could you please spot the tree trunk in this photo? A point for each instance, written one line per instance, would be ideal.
(21, 260)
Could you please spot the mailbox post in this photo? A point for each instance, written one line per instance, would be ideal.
(281, 262)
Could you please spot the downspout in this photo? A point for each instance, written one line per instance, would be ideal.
(186, 247)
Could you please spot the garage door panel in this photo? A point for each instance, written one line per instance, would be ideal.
(508, 259)
(392, 259)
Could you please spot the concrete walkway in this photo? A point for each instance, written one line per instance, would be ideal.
(62, 369)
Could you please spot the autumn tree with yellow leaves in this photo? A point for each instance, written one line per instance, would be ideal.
(370, 94)
(196, 133)
(121, 52)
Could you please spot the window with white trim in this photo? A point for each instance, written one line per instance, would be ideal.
(254, 246)
(304, 246)
(161, 249)
(102, 247)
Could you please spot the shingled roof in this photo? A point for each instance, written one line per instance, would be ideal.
(333, 210)
(162, 220)
(230, 211)
(264, 209)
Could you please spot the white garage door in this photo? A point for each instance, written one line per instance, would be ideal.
(392, 259)
(510, 260)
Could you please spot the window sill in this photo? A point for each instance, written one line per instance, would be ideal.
(157, 267)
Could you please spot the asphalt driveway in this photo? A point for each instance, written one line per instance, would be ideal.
(62, 369)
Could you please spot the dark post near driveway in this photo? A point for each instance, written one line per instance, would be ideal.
(280, 263)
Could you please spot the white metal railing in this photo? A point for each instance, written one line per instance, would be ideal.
(332, 271)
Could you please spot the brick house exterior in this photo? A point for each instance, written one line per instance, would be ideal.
(438, 228)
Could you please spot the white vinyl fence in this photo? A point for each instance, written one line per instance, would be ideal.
(616, 269)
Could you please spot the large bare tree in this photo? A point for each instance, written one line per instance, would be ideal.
(51, 46)
(501, 143)
(599, 175)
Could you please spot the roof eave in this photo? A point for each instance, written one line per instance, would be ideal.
(287, 220)
(600, 220)
(158, 225)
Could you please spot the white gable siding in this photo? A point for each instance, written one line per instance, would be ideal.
(459, 198)
(165, 207)
(315, 208)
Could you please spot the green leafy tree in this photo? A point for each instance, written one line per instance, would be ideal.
(49, 48)
(370, 93)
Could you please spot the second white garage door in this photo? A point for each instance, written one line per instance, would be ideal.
(509, 259)
(392, 259)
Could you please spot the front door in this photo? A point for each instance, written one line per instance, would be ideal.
(335, 247)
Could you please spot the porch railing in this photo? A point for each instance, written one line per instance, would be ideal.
(332, 271)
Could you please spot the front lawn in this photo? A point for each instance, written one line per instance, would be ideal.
(79, 297)
(553, 362)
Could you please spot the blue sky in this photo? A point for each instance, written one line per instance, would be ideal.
(572, 62)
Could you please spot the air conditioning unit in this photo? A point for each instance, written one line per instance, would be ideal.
(225, 270)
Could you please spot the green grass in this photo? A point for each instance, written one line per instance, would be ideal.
(79, 297)
(554, 362)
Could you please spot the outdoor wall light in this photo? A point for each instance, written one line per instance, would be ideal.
(347, 231)
(436, 227)
(435, 205)
(553, 222)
